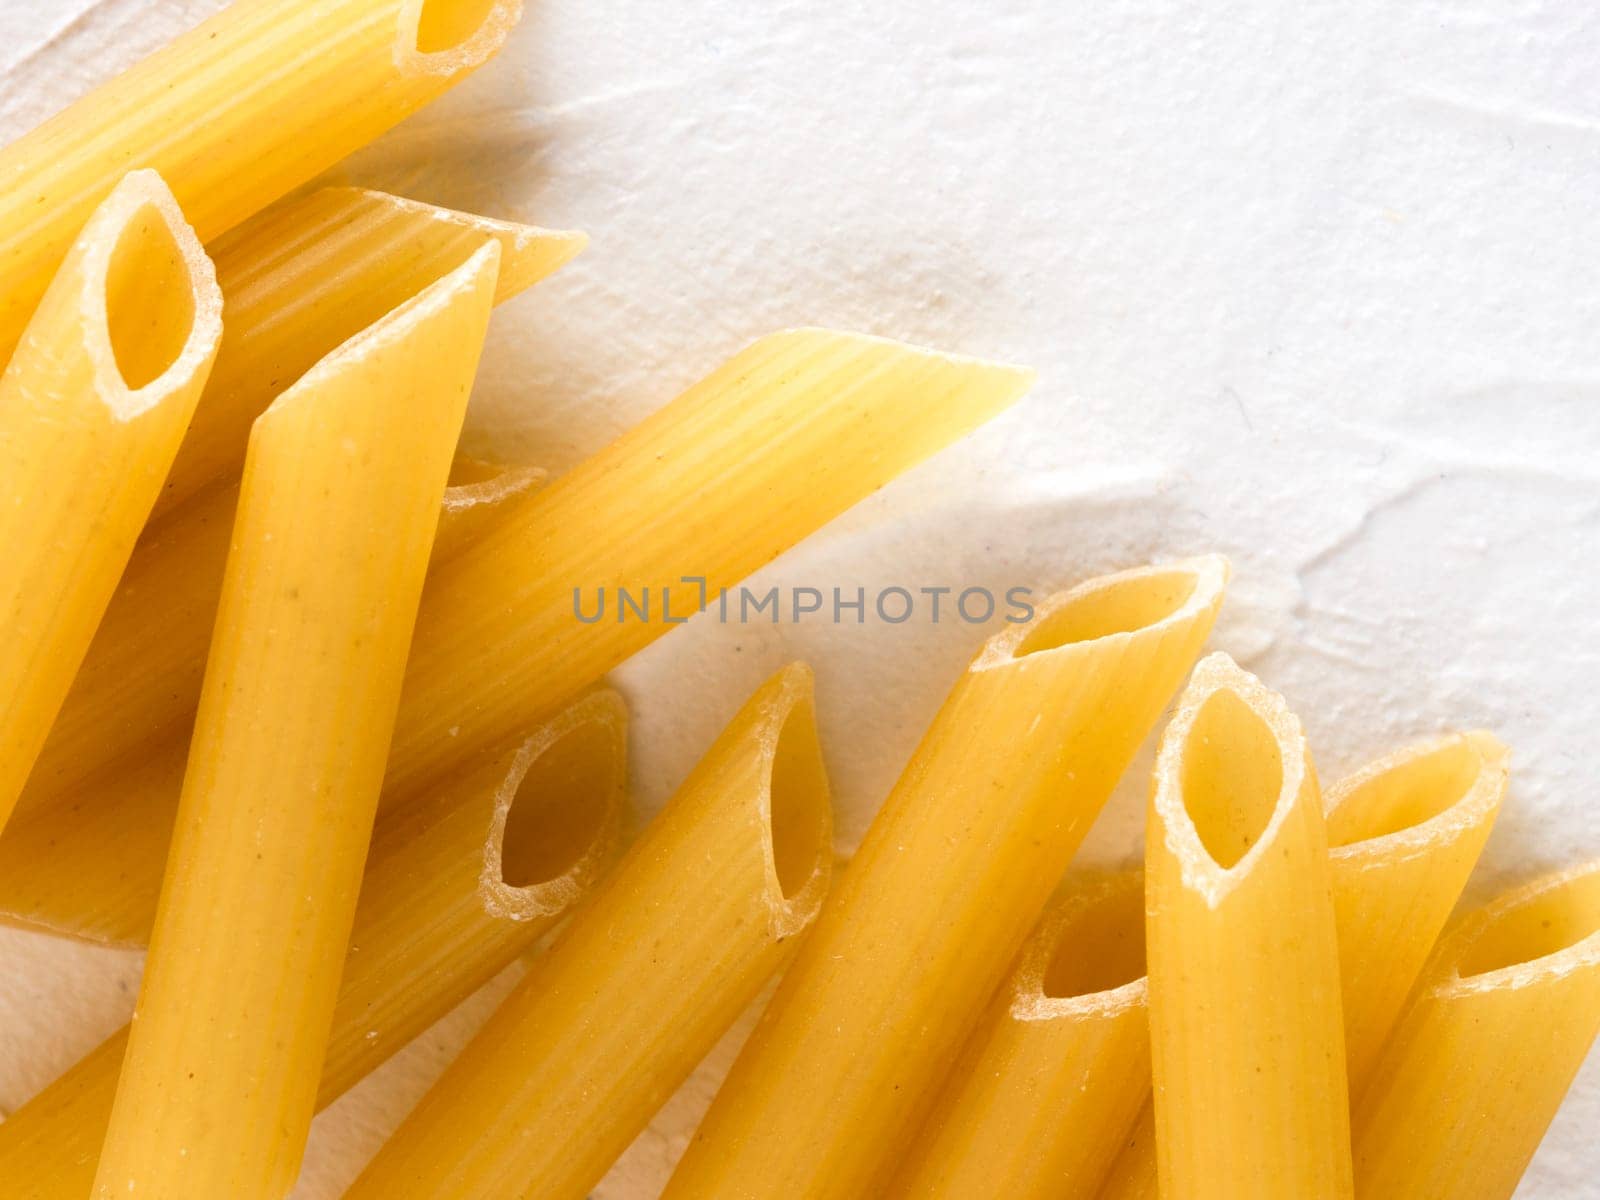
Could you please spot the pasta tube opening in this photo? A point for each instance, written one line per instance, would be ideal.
(1232, 777)
(445, 37)
(557, 815)
(1152, 600)
(1054, 1074)
(797, 806)
(1404, 834)
(153, 291)
(1094, 949)
(1224, 786)
(149, 310)
(1412, 794)
(1547, 929)
(1246, 1024)
(1118, 604)
(1491, 1041)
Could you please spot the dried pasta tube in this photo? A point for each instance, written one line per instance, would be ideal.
(1246, 1029)
(1502, 1019)
(674, 944)
(92, 409)
(337, 514)
(1053, 1078)
(1406, 831)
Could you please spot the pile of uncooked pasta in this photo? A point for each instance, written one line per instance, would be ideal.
(301, 699)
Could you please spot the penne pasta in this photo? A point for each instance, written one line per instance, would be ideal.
(336, 518)
(829, 1091)
(460, 882)
(90, 866)
(1050, 1083)
(552, 807)
(1246, 1031)
(777, 442)
(1405, 833)
(92, 408)
(240, 111)
(673, 946)
(1506, 1010)
(300, 281)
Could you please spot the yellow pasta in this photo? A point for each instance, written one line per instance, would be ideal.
(1052, 1080)
(336, 518)
(90, 865)
(312, 272)
(459, 883)
(240, 111)
(1134, 1173)
(674, 944)
(1247, 1040)
(300, 280)
(92, 409)
(829, 1091)
(784, 437)
(777, 442)
(92, 869)
(1506, 1010)
(1405, 832)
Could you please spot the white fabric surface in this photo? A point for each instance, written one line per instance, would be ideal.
(1310, 284)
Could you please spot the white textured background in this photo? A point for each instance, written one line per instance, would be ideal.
(1313, 284)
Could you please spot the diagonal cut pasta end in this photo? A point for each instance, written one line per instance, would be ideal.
(452, 37)
(1407, 801)
(1051, 1079)
(147, 295)
(1543, 931)
(1404, 833)
(558, 815)
(1232, 769)
(1506, 1011)
(1087, 957)
(475, 483)
(956, 381)
(795, 803)
(1146, 603)
(435, 335)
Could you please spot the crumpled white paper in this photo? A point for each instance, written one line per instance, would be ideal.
(1312, 285)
